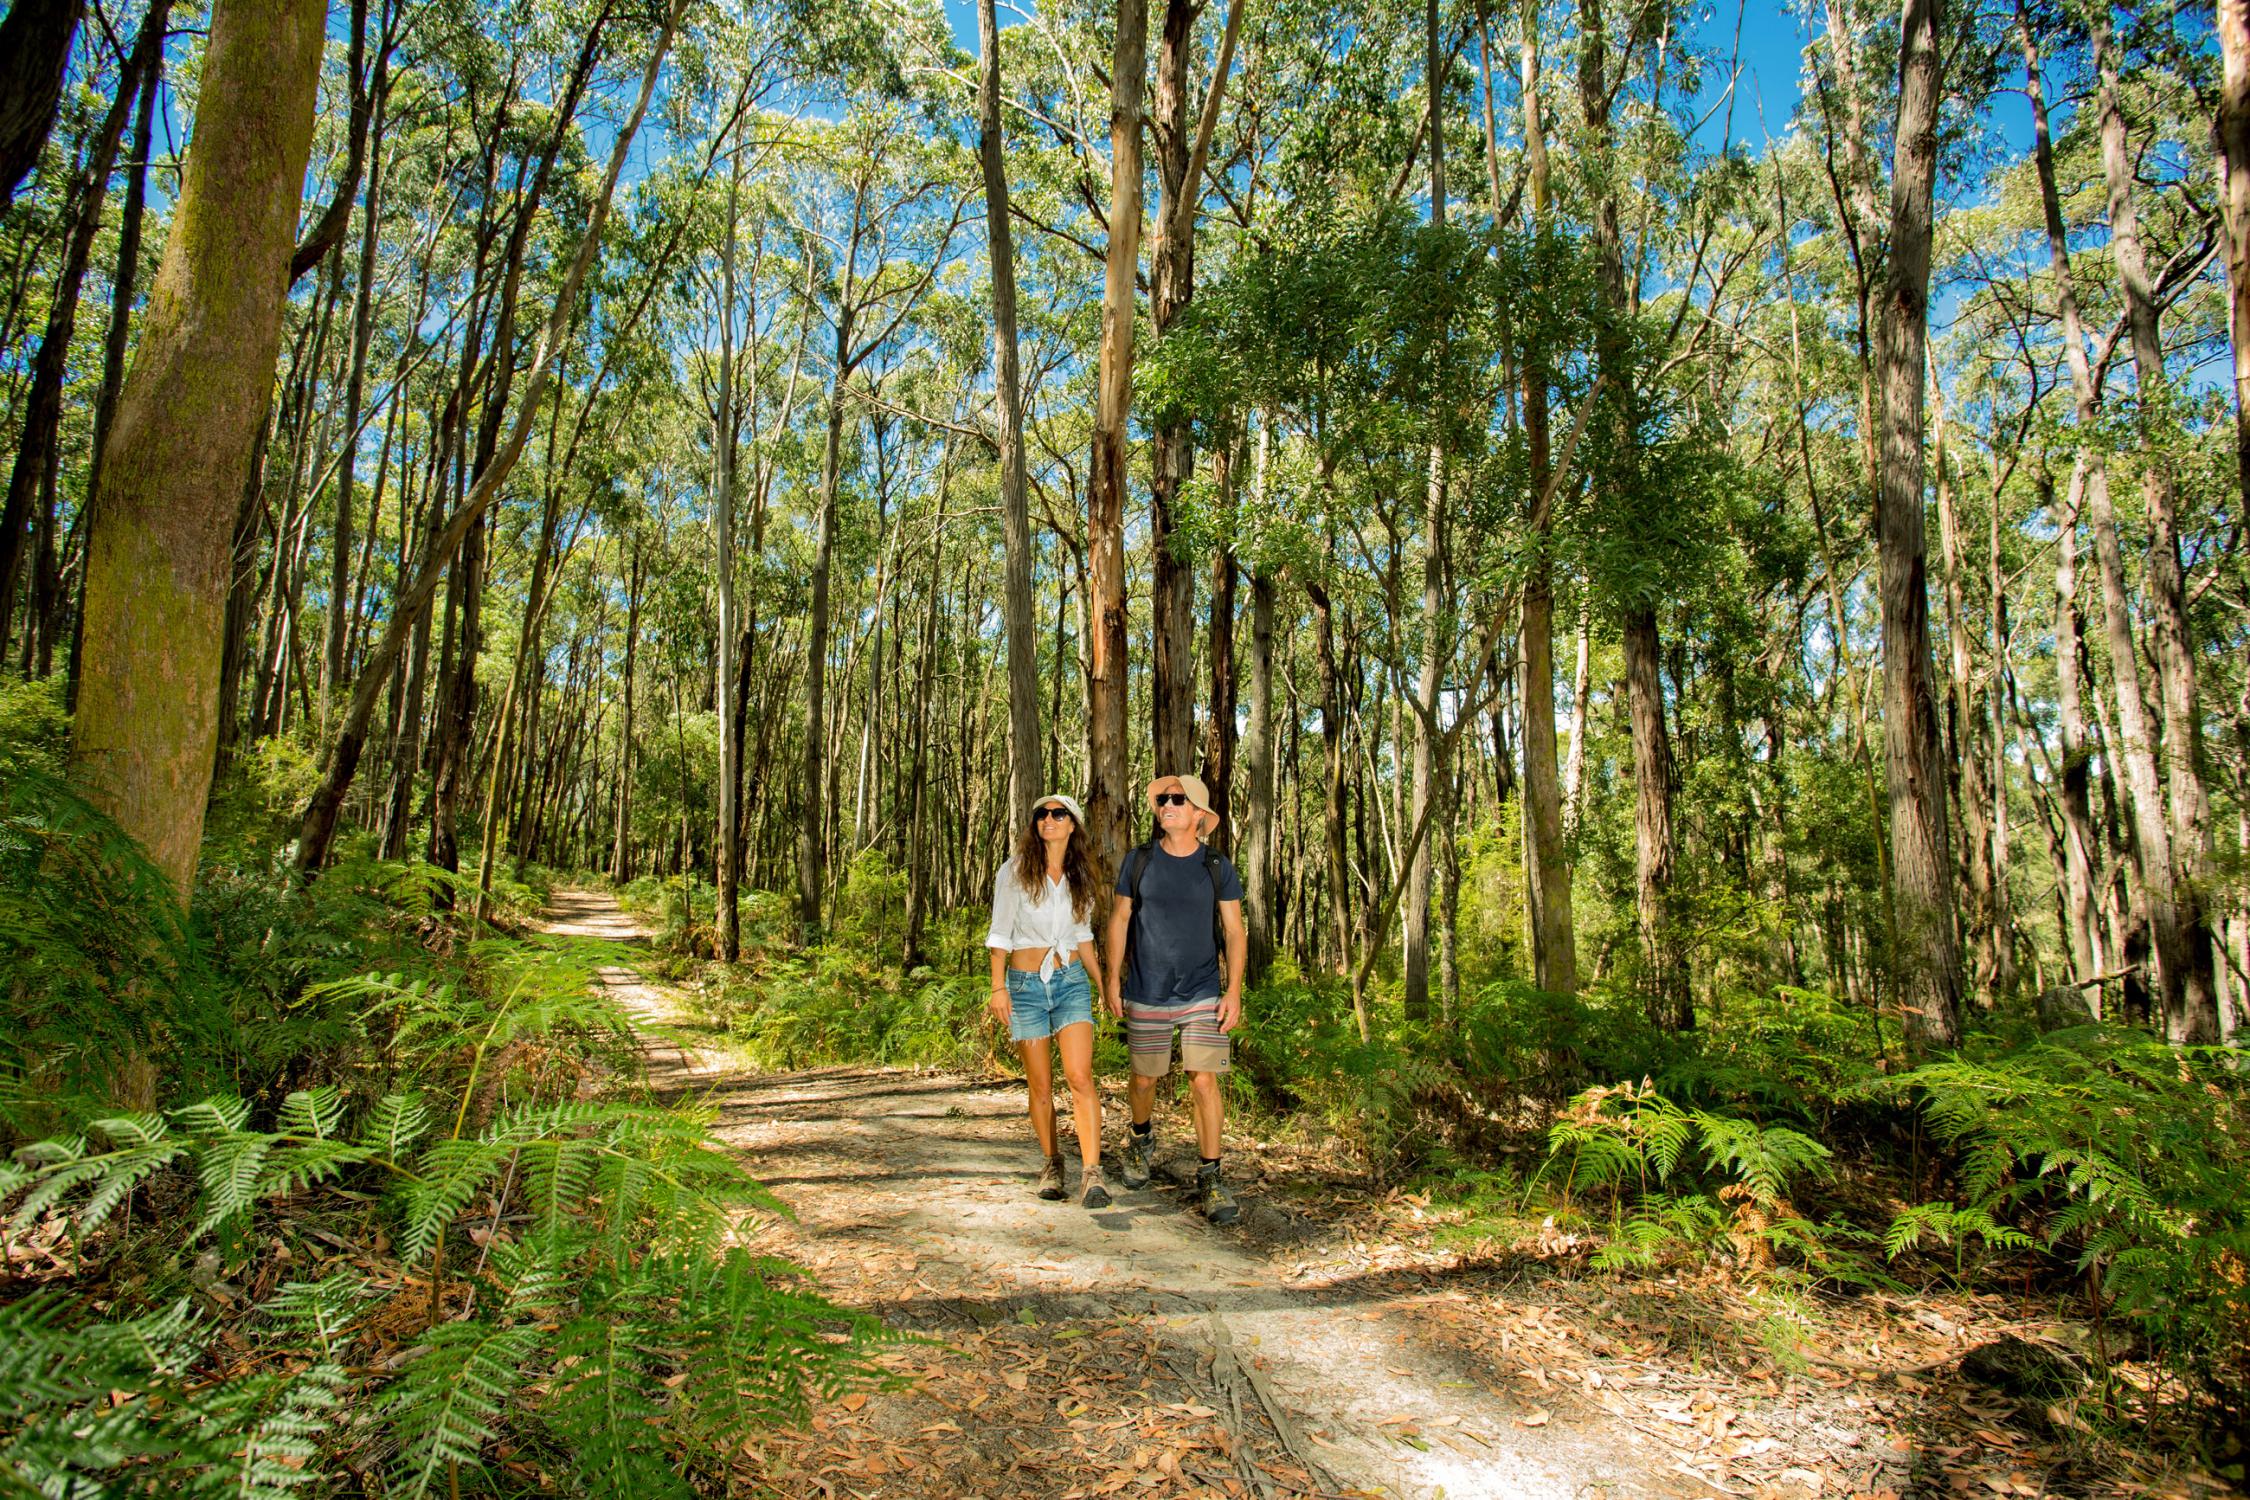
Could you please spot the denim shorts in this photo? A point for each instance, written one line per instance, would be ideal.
(1039, 1008)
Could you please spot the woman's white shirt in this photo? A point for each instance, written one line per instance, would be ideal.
(1044, 921)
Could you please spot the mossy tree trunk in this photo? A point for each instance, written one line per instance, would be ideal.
(159, 557)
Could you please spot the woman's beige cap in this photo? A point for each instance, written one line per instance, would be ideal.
(1198, 795)
(1077, 813)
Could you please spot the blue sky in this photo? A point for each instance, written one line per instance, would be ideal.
(1770, 55)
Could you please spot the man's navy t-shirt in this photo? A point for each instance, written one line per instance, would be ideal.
(1171, 956)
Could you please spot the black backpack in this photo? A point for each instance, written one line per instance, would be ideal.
(1136, 865)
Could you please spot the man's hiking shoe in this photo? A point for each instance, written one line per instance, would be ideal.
(1212, 1197)
(1051, 1180)
(1091, 1193)
(1139, 1149)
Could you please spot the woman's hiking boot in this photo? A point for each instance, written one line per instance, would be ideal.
(1091, 1193)
(1212, 1197)
(1140, 1150)
(1051, 1180)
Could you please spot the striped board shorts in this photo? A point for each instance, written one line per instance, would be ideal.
(1204, 1048)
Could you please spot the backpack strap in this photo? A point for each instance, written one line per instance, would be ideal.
(1218, 926)
(1136, 865)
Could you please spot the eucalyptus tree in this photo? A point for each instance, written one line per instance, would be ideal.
(147, 721)
(2234, 154)
(878, 209)
(1109, 801)
(1547, 880)
(30, 476)
(1602, 78)
(1181, 130)
(1025, 780)
(35, 39)
(341, 760)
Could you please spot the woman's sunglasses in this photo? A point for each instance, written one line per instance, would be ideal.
(1042, 814)
(1171, 799)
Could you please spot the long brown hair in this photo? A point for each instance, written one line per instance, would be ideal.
(1079, 870)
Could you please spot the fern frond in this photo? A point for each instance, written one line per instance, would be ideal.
(319, 1309)
(449, 1176)
(215, 1116)
(446, 1405)
(396, 1122)
(605, 1402)
(315, 1112)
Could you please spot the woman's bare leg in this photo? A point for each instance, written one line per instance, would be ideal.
(1076, 1042)
(1039, 1073)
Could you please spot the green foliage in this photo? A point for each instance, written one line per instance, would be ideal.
(1301, 1048)
(1631, 1143)
(835, 1003)
(608, 1292)
(1547, 1043)
(96, 965)
(553, 1270)
(34, 725)
(2124, 1158)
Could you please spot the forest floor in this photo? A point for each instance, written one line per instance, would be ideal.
(1319, 1347)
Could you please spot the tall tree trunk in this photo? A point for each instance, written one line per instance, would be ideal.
(333, 665)
(1219, 735)
(1332, 787)
(1109, 804)
(1926, 950)
(1437, 623)
(457, 704)
(1663, 979)
(1258, 829)
(1026, 780)
(918, 820)
(1581, 696)
(1963, 727)
(1171, 285)
(2190, 985)
(1554, 942)
(811, 823)
(159, 555)
(2234, 204)
(2150, 849)
(124, 283)
(620, 847)
(43, 402)
(2074, 778)
(726, 427)
(34, 57)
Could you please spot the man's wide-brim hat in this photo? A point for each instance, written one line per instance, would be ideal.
(1198, 795)
(1077, 813)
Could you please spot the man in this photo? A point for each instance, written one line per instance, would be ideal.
(1177, 899)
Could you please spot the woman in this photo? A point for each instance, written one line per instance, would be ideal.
(1043, 968)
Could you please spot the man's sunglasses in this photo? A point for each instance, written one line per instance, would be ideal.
(1171, 799)
(1042, 814)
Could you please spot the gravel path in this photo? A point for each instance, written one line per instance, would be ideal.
(912, 1196)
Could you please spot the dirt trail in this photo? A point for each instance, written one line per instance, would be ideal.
(1128, 1330)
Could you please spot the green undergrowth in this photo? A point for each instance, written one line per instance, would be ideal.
(1785, 1146)
(330, 1188)
(847, 999)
